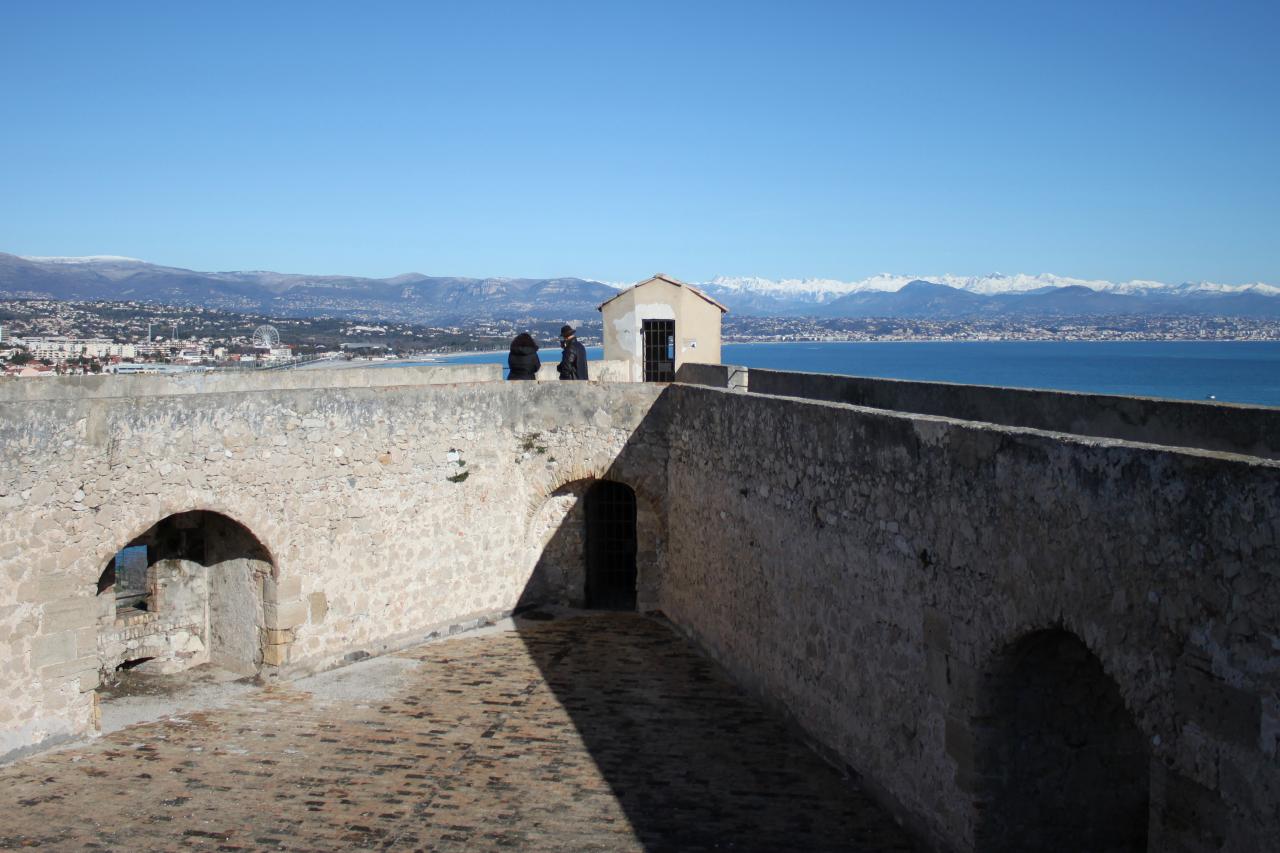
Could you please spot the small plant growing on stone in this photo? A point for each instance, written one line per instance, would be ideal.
(529, 444)
(455, 456)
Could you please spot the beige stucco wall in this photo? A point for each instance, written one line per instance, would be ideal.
(697, 325)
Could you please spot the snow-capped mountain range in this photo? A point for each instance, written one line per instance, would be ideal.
(953, 296)
(825, 289)
(423, 298)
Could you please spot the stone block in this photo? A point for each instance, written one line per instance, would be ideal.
(1191, 816)
(52, 587)
(963, 681)
(289, 614)
(960, 744)
(937, 630)
(70, 613)
(1247, 786)
(87, 641)
(1217, 707)
(275, 655)
(76, 667)
(319, 607)
(50, 649)
(282, 589)
(936, 665)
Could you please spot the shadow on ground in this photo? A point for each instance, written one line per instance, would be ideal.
(693, 762)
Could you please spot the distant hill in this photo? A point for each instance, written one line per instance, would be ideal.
(914, 299)
(410, 297)
(413, 297)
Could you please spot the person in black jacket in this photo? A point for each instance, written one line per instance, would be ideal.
(523, 358)
(573, 355)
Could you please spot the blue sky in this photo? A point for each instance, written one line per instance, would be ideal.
(1109, 140)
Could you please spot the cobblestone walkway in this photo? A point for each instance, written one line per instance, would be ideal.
(605, 732)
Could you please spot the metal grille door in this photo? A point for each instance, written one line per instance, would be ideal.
(611, 546)
(659, 350)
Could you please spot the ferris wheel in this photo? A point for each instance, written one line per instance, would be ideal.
(266, 337)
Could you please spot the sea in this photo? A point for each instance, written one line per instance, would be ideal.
(1226, 371)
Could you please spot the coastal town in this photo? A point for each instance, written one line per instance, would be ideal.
(1121, 327)
(46, 337)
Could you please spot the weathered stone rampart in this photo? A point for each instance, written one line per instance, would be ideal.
(100, 386)
(388, 513)
(1229, 427)
(915, 592)
(866, 570)
(13, 390)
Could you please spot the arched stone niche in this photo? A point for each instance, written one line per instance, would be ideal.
(556, 554)
(187, 591)
(1059, 762)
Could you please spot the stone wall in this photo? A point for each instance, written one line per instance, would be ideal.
(385, 514)
(883, 578)
(239, 382)
(1227, 427)
(732, 376)
(13, 390)
(868, 572)
(602, 370)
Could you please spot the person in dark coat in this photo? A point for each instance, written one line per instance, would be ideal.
(523, 358)
(573, 355)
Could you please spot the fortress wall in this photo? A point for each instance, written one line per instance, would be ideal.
(388, 514)
(1228, 427)
(93, 387)
(865, 571)
(239, 381)
(730, 376)
(600, 370)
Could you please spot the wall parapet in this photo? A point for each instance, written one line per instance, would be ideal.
(215, 382)
(600, 370)
(1224, 427)
(731, 376)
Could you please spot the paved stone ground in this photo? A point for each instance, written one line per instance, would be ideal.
(603, 732)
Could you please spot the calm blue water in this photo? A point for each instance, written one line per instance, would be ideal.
(1241, 372)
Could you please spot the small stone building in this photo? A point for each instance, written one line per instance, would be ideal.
(659, 324)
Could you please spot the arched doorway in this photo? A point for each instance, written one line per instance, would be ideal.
(1061, 764)
(610, 546)
(186, 592)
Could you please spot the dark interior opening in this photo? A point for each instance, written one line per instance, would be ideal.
(659, 350)
(1061, 764)
(610, 546)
